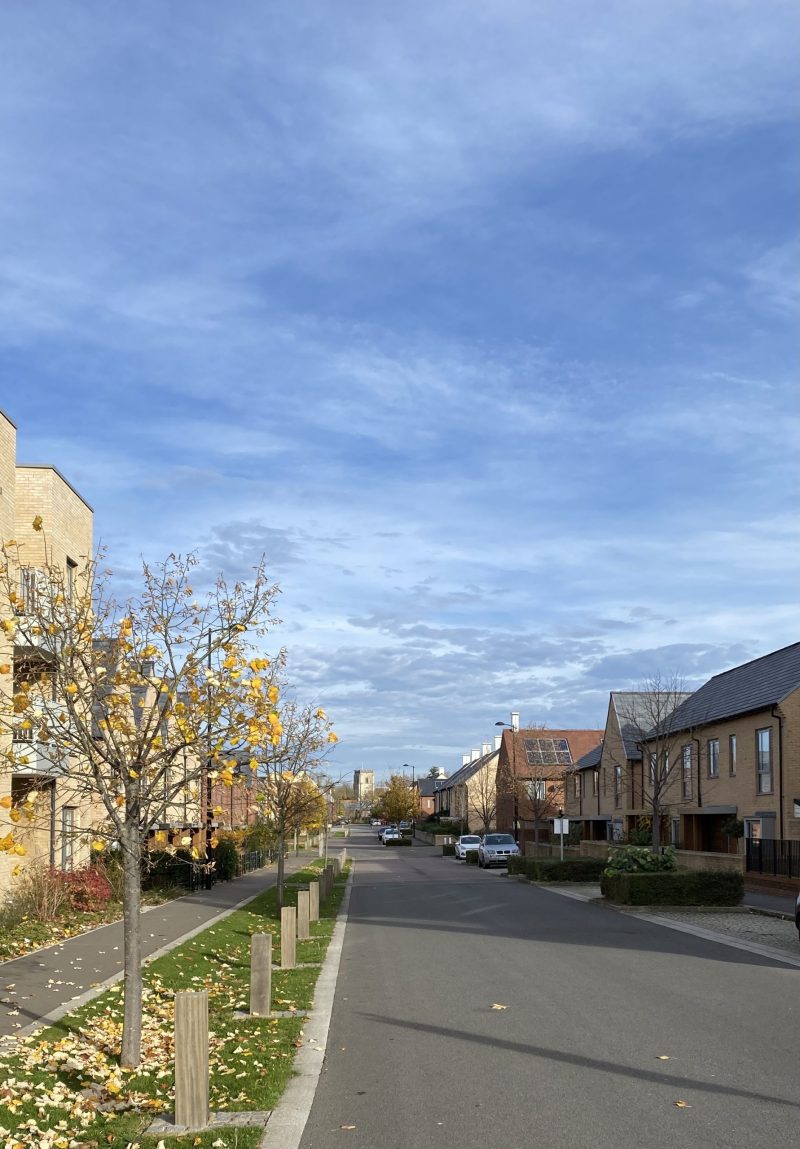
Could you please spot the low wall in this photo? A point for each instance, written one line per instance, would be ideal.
(695, 860)
(594, 849)
(435, 839)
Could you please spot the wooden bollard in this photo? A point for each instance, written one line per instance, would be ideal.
(343, 857)
(288, 937)
(191, 1059)
(313, 901)
(260, 975)
(303, 915)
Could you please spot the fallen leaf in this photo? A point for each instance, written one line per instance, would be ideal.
(347, 1126)
(663, 1057)
(682, 1105)
(496, 1005)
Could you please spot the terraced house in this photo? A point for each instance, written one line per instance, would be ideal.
(729, 759)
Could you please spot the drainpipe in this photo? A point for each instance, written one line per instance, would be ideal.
(699, 773)
(775, 714)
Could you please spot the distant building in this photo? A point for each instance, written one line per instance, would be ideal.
(363, 785)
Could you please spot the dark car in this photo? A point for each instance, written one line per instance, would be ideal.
(797, 914)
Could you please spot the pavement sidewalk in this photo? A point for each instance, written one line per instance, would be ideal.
(44, 985)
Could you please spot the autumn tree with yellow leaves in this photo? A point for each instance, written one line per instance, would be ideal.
(134, 707)
(292, 790)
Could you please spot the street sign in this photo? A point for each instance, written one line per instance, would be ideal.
(561, 825)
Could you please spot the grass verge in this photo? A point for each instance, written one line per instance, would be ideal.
(63, 1087)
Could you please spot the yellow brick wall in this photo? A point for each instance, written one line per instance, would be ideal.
(8, 458)
(67, 519)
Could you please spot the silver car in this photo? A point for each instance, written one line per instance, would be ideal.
(496, 849)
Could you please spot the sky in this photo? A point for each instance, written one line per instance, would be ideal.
(480, 320)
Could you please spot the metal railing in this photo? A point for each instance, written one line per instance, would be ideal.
(774, 856)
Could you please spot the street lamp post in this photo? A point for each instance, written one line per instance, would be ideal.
(513, 728)
(413, 787)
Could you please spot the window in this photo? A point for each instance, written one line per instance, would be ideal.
(713, 757)
(686, 772)
(653, 766)
(27, 589)
(617, 784)
(732, 755)
(67, 837)
(577, 785)
(595, 782)
(764, 760)
(536, 789)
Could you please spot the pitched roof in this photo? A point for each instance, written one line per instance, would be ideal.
(638, 711)
(546, 750)
(465, 772)
(427, 787)
(755, 685)
(591, 759)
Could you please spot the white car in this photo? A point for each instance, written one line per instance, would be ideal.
(467, 842)
(385, 830)
(391, 835)
(496, 849)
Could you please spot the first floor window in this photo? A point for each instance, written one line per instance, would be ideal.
(686, 772)
(67, 837)
(764, 760)
(713, 757)
(732, 755)
(595, 781)
(617, 784)
(536, 789)
(577, 785)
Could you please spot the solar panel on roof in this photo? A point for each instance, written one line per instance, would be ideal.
(547, 752)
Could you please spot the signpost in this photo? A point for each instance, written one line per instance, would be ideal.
(561, 827)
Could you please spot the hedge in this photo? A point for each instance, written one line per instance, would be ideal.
(680, 888)
(448, 851)
(397, 842)
(554, 870)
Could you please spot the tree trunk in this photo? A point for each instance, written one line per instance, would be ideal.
(281, 869)
(655, 837)
(132, 939)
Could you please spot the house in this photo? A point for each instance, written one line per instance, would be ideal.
(737, 755)
(470, 795)
(34, 769)
(531, 769)
(606, 791)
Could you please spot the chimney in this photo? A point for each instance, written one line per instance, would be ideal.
(475, 755)
(515, 720)
(498, 738)
(465, 758)
(486, 749)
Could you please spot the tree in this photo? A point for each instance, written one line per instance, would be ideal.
(136, 708)
(652, 749)
(482, 796)
(399, 802)
(292, 791)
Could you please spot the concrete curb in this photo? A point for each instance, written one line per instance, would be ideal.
(288, 1120)
(682, 927)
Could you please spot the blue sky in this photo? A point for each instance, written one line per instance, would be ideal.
(480, 319)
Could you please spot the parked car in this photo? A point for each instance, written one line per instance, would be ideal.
(496, 849)
(385, 830)
(375, 822)
(405, 826)
(467, 842)
(391, 835)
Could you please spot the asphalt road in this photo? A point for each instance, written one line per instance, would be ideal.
(593, 999)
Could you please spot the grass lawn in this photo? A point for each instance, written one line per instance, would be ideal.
(62, 1088)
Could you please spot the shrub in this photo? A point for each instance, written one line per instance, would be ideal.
(640, 860)
(676, 888)
(449, 851)
(38, 894)
(226, 859)
(88, 889)
(260, 837)
(471, 857)
(398, 842)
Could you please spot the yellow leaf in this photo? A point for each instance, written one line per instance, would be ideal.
(5, 668)
(119, 800)
(195, 853)
(98, 845)
(662, 1057)
(37, 523)
(7, 802)
(186, 841)
(13, 815)
(333, 737)
(682, 1105)
(72, 688)
(20, 851)
(133, 773)
(214, 841)
(496, 1005)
